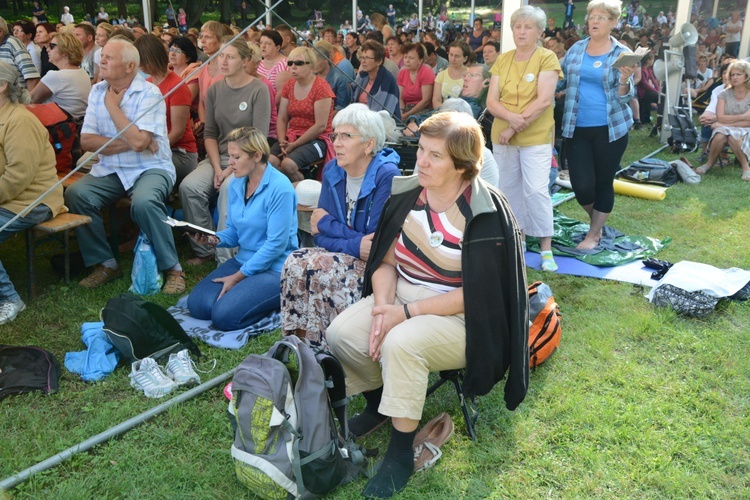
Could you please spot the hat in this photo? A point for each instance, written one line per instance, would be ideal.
(308, 192)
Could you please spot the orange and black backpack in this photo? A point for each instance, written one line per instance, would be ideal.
(62, 132)
(545, 329)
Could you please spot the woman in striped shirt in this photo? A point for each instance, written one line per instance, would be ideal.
(444, 289)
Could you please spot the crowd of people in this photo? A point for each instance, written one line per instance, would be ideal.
(409, 274)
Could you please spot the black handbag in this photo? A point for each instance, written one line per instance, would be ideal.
(650, 171)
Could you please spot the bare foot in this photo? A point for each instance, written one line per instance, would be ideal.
(589, 242)
(197, 261)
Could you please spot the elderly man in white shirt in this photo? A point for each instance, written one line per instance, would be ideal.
(137, 165)
(67, 18)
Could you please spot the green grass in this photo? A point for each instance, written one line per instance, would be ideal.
(637, 402)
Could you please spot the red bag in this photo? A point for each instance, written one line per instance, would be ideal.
(62, 132)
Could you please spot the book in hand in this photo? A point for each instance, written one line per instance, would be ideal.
(630, 58)
(188, 227)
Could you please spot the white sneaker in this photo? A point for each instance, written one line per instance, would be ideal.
(148, 377)
(180, 369)
(10, 309)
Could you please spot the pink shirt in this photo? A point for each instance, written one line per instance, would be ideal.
(412, 91)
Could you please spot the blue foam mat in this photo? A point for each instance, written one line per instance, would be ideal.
(632, 272)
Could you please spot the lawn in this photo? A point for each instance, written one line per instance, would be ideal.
(637, 402)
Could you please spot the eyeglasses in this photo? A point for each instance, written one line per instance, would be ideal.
(297, 63)
(342, 135)
(599, 19)
(176, 50)
(52, 46)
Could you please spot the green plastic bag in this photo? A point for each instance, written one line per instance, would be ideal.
(565, 228)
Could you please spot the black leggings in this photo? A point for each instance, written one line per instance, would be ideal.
(593, 162)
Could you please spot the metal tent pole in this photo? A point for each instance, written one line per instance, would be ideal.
(102, 437)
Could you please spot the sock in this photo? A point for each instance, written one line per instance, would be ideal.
(177, 267)
(370, 418)
(548, 261)
(373, 399)
(397, 467)
(110, 264)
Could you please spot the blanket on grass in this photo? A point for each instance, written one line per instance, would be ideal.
(614, 249)
(205, 331)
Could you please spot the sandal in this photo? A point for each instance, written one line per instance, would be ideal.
(174, 282)
(429, 439)
(703, 169)
(101, 275)
(746, 175)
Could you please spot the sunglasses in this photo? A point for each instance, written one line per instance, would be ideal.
(297, 63)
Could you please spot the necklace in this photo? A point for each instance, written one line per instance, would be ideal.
(436, 236)
(529, 78)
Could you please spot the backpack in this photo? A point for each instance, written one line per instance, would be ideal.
(62, 132)
(650, 171)
(545, 329)
(685, 136)
(284, 408)
(27, 369)
(141, 329)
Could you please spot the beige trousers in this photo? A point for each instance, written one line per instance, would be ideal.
(410, 351)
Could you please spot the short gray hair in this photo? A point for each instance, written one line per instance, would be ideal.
(367, 122)
(128, 51)
(456, 104)
(4, 26)
(530, 12)
(16, 93)
(611, 7)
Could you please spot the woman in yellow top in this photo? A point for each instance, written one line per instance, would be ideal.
(520, 98)
(450, 81)
(27, 170)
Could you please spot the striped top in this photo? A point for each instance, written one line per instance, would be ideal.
(428, 251)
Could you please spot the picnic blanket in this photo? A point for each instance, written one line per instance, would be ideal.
(632, 272)
(205, 331)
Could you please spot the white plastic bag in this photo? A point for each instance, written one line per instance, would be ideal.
(147, 279)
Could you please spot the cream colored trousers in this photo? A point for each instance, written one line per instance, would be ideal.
(410, 351)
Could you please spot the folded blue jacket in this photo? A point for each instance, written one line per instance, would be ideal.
(99, 360)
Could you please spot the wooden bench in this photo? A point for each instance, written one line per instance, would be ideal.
(47, 231)
(122, 203)
(70, 180)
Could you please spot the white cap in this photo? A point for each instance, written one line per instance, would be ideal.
(308, 192)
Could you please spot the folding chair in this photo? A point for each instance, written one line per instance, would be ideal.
(470, 412)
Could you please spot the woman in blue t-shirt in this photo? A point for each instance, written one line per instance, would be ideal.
(597, 132)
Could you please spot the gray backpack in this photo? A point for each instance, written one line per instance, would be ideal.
(285, 405)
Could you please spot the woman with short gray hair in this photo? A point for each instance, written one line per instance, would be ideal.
(520, 97)
(318, 283)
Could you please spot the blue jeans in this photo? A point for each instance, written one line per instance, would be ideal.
(245, 304)
(38, 214)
